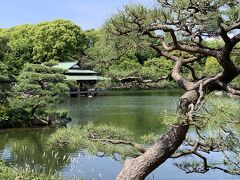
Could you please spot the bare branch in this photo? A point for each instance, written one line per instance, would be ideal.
(235, 39)
(193, 59)
(223, 34)
(182, 82)
(186, 152)
(200, 98)
(140, 79)
(229, 89)
(112, 141)
(233, 172)
(165, 54)
(196, 49)
(235, 25)
(212, 79)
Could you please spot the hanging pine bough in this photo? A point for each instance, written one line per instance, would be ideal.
(101, 140)
(178, 30)
(209, 134)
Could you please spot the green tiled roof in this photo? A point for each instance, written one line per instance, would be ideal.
(84, 75)
(81, 71)
(85, 78)
(66, 65)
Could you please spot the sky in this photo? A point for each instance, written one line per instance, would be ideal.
(87, 14)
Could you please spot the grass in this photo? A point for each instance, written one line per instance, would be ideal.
(10, 173)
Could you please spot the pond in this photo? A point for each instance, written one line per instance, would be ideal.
(138, 111)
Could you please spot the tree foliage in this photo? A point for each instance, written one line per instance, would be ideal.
(22, 50)
(7, 172)
(95, 139)
(212, 66)
(35, 96)
(107, 51)
(156, 24)
(5, 75)
(59, 40)
(156, 67)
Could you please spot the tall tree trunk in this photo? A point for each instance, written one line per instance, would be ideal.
(138, 168)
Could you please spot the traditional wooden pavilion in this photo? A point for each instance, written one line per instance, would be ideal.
(85, 78)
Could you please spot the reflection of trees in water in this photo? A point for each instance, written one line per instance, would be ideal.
(29, 150)
(224, 141)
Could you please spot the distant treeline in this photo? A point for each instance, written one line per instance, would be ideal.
(30, 88)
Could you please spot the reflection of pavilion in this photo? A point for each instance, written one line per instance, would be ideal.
(86, 79)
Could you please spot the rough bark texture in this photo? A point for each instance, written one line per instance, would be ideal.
(140, 167)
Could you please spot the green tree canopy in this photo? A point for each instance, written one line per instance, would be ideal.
(156, 67)
(59, 40)
(106, 50)
(35, 96)
(5, 77)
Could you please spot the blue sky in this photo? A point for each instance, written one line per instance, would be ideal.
(86, 13)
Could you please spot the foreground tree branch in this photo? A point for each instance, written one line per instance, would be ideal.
(229, 89)
(205, 166)
(141, 166)
(137, 146)
(104, 140)
(141, 79)
(178, 31)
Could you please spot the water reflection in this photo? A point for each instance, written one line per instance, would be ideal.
(27, 148)
(134, 110)
(138, 111)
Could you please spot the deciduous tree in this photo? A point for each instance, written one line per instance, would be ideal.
(59, 40)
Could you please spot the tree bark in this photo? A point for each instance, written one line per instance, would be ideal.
(192, 50)
(138, 168)
(143, 165)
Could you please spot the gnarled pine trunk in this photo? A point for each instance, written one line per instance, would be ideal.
(138, 168)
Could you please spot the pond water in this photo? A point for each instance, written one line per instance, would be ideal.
(139, 111)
